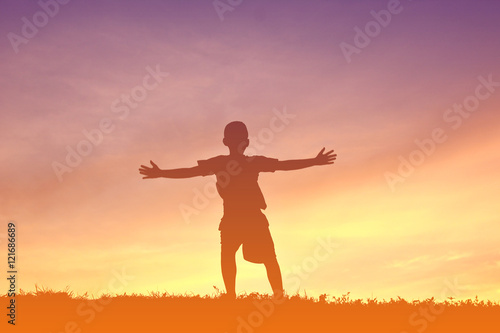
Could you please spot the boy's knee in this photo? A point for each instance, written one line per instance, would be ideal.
(228, 252)
(271, 261)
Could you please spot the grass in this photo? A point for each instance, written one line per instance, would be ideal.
(50, 311)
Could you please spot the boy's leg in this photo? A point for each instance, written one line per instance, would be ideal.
(259, 248)
(274, 276)
(228, 265)
(229, 245)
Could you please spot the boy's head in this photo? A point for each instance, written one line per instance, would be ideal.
(236, 136)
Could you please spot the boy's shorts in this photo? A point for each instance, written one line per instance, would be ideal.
(258, 245)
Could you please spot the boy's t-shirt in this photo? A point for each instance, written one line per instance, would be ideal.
(237, 178)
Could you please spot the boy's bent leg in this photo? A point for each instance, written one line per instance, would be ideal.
(274, 276)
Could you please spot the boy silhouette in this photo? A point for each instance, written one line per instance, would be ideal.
(243, 222)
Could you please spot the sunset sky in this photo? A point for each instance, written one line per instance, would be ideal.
(410, 208)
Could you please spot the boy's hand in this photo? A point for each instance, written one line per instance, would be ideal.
(325, 158)
(153, 172)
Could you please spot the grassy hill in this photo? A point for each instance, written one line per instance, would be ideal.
(62, 312)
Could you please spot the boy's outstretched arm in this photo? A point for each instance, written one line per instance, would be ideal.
(155, 172)
(321, 159)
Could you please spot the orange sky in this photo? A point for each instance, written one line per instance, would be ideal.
(413, 239)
